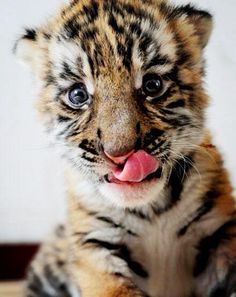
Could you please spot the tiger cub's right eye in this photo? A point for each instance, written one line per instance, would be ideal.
(77, 96)
(152, 85)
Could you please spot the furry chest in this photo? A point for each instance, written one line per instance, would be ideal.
(168, 261)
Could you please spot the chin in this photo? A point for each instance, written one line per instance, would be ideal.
(132, 195)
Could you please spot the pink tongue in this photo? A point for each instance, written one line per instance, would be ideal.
(138, 166)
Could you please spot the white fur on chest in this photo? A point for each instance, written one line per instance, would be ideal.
(167, 259)
(170, 259)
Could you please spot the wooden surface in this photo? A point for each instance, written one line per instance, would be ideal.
(11, 289)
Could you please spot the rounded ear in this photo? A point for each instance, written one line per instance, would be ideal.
(26, 47)
(203, 23)
(200, 19)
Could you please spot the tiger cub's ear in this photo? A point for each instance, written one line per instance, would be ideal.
(200, 19)
(27, 48)
(202, 22)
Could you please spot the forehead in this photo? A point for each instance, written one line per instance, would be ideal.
(115, 35)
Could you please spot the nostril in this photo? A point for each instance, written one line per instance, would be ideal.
(119, 160)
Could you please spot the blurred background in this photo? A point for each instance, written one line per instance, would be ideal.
(31, 181)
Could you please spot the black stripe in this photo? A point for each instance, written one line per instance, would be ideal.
(139, 214)
(47, 35)
(136, 267)
(138, 128)
(98, 58)
(121, 251)
(72, 28)
(91, 64)
(175, 184)
(152, 137)
(103, 244)
(115, 225)
(113, 23)
(157, 60)
(135, 28)
(35, 286)
(174, 76)
(34, 282)
(137, 12)
(177, 121)
(145, 42)
(30, 34)
(50, 276)
(78, 128)
(99, 133)
(157, 147)
(90, 12)
(67, 72)
(89, 34)
(125, 52)
(88, 147)
(176, 104)
(50, 79)
(208, 204)
(128, 54)
(188, 9)
(62, 91)
(63, 119)
(178, 176)
(72, 125)
(121, 49)
(119, 274)
(209, 244)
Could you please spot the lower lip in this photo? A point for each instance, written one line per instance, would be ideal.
(116, 181)
(154, 176)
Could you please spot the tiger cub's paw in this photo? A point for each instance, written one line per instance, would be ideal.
(227, 287)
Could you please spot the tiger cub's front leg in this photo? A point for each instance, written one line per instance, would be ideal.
(97, 260)
(96, 283)
(216, 268)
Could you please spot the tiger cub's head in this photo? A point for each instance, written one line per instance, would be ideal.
(121, 90)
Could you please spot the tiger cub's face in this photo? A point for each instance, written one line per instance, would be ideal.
(122, 80)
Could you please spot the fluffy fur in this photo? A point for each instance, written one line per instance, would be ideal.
(172, 235)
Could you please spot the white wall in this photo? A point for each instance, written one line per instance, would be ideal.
(31, 183)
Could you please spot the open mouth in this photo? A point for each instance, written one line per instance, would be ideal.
(138, 168)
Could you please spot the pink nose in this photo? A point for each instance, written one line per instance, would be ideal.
(119, 159)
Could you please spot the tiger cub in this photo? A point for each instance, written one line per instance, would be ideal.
(151, 211)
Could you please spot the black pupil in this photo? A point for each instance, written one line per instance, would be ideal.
(152, 86)
(78, 95)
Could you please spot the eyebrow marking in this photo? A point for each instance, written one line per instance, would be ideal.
(67, 72)
(157, 60)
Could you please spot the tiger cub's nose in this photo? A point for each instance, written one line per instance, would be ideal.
(119, 159)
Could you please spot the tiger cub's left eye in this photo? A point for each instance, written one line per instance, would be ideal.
(152, 84)
(77, 96)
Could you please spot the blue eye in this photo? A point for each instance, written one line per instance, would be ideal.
(152, 84)
(77, 96)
